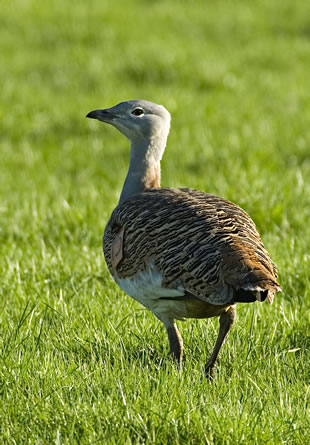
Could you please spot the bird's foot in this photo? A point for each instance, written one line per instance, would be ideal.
(177, 360)
(210, 370)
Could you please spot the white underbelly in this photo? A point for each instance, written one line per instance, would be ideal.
(146, 287)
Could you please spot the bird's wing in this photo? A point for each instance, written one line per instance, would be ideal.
(199, 242)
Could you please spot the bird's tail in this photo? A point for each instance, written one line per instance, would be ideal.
(258, 294)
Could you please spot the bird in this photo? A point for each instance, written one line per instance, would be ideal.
(182, 253)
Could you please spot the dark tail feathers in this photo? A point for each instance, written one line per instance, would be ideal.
(249, 296)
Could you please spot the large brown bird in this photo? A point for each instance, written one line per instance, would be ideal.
(182, 253)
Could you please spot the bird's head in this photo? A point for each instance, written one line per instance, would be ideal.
(138, 120)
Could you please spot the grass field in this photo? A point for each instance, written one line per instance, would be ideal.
(81, 362)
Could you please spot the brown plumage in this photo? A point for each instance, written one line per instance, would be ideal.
(182, 253)
(207, 244)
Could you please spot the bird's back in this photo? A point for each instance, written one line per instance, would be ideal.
(199, 242)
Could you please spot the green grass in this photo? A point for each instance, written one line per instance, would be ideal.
(81, 362)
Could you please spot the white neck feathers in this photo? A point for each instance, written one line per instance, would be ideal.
(144, 167)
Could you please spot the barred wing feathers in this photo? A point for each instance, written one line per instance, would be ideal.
(200, 242)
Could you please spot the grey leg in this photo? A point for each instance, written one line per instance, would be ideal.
(226, 321)
(175, 341)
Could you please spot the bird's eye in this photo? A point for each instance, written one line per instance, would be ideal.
(137, 111)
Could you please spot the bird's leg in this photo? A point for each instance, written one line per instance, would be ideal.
(226, 321)
(175, 341)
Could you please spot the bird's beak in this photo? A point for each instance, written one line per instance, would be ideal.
(102, 115)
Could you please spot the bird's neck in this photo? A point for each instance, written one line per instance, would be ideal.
(144, 168)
